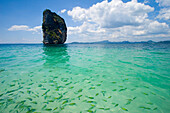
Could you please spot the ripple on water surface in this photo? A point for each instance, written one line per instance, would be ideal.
(78, 78)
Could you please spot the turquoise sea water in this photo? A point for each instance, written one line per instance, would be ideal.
(80, 78)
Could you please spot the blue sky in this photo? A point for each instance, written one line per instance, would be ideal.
(87, 20)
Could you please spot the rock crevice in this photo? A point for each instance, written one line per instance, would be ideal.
(54, 28)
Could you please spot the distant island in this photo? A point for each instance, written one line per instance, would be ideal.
(123, 42)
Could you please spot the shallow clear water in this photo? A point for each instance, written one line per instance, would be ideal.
(84, 78)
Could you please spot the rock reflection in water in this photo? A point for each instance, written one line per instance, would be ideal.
(55, 55)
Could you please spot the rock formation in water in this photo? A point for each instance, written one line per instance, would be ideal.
(54, 28)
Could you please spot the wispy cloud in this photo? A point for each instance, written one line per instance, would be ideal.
(163, 2)
(164, 14)
(63, 11)
(25, 28)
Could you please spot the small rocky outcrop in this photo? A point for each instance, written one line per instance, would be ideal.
(54, 28)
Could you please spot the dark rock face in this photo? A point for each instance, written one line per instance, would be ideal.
(54, 28)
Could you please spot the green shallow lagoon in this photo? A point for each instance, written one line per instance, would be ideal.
(81, 78)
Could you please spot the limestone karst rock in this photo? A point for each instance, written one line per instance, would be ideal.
(54, 28)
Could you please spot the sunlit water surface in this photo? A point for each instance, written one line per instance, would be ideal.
(82, 78)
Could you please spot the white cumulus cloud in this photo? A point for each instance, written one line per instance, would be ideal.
(116, 21)
(155, 27)
(113, 14)
(25, 28)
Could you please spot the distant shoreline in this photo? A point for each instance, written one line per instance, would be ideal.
(123, 42)
(104, 42)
